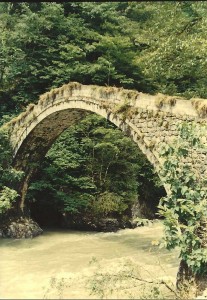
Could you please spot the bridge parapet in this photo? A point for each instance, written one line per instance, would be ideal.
(109, 98)
(149, 119)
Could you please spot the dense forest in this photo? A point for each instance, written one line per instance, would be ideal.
(148, 46)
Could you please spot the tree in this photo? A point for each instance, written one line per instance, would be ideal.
(173, 51)
(9, 177)
(185, 206)
(93, 169)
(151, 47)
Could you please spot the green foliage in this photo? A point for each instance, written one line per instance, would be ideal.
(185, 206)
(107, 203)
(173, 37)
(92, 168)
(7, 197)
(151, 47)
(5, 148)
(45, 45)
(9, 177)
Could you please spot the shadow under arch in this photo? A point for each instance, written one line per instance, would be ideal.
(46, 209)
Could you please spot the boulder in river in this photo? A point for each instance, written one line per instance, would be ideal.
(20, 227)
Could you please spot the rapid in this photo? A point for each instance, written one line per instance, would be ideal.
(63, 264)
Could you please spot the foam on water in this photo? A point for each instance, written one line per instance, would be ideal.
(29, 267)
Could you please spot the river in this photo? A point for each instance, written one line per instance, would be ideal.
(64, 263)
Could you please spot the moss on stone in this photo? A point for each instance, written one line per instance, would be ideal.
(201, 106)
(161, 100)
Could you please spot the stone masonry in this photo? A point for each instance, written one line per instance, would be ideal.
(148, 119)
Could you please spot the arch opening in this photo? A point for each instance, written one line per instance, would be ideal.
(94, 177)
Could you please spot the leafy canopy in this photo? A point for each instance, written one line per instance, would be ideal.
(93, 168)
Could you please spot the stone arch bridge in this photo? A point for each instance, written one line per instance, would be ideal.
(148, 119)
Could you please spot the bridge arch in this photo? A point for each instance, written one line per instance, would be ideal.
(148, 119)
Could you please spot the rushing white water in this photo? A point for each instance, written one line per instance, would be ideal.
(33, 268)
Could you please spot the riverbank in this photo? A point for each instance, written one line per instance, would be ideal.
(19, 227)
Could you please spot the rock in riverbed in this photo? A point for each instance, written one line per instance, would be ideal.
(21, 227)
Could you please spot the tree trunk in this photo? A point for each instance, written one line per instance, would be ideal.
(188, 283)
(24, 187)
